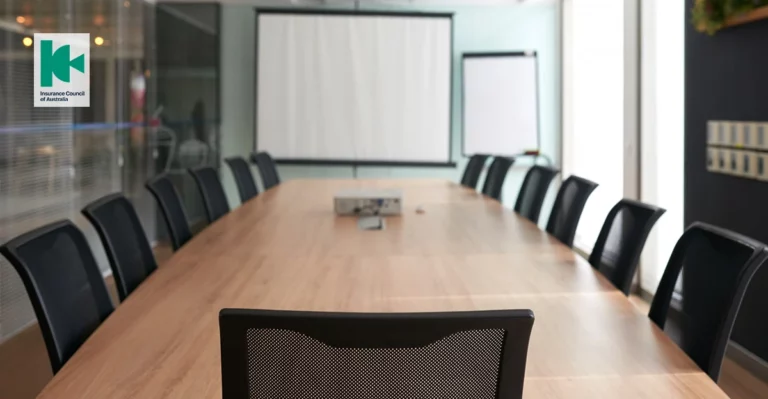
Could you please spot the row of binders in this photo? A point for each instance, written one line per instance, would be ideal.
(742, 163)
(750, 135)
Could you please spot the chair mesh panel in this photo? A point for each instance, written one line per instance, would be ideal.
(172, 209)
(267, 169)
(309, 355)
(527, 198)
(246, 186)
(473, 170)
(568, 207)
(124, 241)
(709, 275)
(211, 190)
(618, 236)
(64, 284)
(272, 167)
(559, 217)
(287, 364)
(716, 267)
(497, 174)
(621, 240)
(534, 191)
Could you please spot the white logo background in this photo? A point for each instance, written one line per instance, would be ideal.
(79, 43)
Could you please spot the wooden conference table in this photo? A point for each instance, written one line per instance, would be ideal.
(287, 250)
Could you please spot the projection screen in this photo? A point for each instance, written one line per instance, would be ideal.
(354, 88)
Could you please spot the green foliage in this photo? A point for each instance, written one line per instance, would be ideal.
(710, 15)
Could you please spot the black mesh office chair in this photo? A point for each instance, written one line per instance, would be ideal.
(473, 170)
(497, 173)
(267, 169)
(717, 266)
(616, 253)
(569, 204)
(172, 210)
(534, 191)
(246, 186)
(125, 243)
(212, 192)
(64, 285)
(307, 355)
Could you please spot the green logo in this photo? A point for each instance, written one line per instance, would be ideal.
(57, 63)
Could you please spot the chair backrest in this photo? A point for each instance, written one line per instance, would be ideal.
(473, 170)
(569, 204)
(616, 253)
(172, 209)
(534, 191)
(307, 355)
(246, 186)
(717, 266)
(124, 240)
(212, 192)
(267, 169)
(494, 179)
(64, 285)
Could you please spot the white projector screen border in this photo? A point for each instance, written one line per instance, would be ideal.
(502, 54)
(450, 163)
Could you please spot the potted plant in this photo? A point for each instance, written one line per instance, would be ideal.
(712, 15)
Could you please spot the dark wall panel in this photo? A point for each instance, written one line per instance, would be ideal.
(726, 78)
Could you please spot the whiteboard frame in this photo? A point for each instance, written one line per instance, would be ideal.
(501, 54)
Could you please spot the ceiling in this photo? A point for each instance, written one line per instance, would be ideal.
(118, 22)
(121, 22)
(46, 14)
(278, 3)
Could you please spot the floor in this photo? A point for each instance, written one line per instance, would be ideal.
(737, 382)
(24, 367)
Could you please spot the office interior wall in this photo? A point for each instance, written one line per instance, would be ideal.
(238, 43)
(725, 79)
(476, 28)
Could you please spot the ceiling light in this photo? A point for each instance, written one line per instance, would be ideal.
(27, 41)
(98, 40)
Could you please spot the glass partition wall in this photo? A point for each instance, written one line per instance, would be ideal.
(53, 161)
(154, 108)
(187, 79)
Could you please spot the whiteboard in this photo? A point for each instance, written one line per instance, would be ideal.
(354, 88)
(500, 103)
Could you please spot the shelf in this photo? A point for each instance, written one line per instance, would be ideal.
(752, 16)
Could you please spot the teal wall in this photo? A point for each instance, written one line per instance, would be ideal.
(238, 32)
(476, 28)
